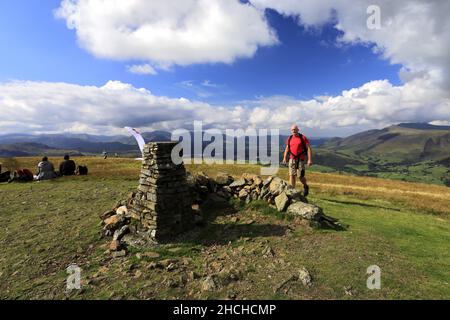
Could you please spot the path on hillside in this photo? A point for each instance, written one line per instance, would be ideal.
(445, 196)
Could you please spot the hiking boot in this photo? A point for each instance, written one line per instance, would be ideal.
(306, 191)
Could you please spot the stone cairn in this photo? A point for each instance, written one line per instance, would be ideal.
(250, 187)
(162, 204)
(160, 208)
(168, 200)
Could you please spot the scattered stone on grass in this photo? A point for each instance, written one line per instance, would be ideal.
(209, 284)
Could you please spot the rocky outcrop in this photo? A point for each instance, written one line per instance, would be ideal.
(250, 187)
(155, 208)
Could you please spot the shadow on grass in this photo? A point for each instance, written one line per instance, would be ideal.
(212, 233)
(361, 204)
(221, 234)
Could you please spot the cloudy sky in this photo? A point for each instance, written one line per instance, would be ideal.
(96, 66)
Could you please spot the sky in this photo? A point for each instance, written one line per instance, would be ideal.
(93, 66)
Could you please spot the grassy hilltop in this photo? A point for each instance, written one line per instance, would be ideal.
(402, 227)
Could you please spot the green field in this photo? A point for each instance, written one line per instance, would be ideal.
(426, 171)
(401, 227)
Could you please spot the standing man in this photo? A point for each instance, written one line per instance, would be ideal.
(298, 146)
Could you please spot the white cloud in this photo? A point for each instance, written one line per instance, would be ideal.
(414, 33)
(210, 84)
(204, 89)
(54, 107)
(57, 107)
(142, 69)
(167, 32)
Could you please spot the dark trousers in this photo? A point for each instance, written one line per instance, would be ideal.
(5, 176)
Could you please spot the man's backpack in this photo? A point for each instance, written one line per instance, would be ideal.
(305, 150)
(82, 170)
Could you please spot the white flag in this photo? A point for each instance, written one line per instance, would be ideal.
(137, 135)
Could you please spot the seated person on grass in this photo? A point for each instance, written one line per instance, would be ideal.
(67, 167)
(5, 176)
(22, 175)
(46, 170)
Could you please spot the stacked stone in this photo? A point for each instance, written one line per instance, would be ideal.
(162, 204)
(251, 187)
(168, 200)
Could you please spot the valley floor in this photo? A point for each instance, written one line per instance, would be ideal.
(251, 250)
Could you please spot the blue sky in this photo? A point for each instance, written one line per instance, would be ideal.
(65, 65)
(39, 47)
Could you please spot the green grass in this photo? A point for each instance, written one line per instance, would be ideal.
(412, 248)
(47, 226)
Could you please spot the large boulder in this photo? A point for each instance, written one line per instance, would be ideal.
(238, 184)
(294, 195)
(282, 202)
(223, 179)
(305, 210)
(277, 186)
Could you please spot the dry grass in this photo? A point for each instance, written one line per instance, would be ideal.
(417, 196)
(420, 197)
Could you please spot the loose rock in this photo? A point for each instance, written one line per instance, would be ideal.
(305, 277)
(118, 234)
(122, 211)
(282, 202)
(223, 179)
(114, 222)
(305, 210)
(268, 252)
(114, 245)
(119, 254)
(238, 183)
(209, 284)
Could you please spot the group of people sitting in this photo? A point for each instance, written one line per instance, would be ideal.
(45, 171)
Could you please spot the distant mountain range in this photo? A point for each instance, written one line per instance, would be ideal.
(25, 149)
(20, 145)
(409, 151)
(17, 145)
(399, 143)
(410, 142)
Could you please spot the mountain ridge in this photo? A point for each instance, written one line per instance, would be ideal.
(398, 143)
